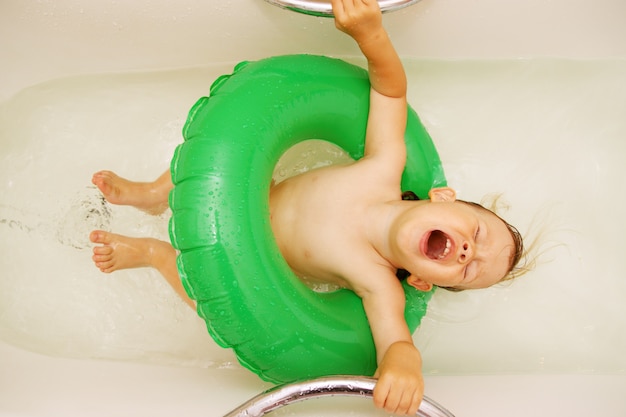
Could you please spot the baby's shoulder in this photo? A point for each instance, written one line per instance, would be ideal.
(371, 274)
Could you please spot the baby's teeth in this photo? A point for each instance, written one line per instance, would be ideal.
(446, 251)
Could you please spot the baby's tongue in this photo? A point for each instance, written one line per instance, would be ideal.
(436, 244)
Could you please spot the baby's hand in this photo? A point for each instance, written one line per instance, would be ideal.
(359, 19)
(400, 385)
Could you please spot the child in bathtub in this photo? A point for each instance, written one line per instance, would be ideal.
(348, 225)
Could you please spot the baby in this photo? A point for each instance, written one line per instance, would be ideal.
(348, 224)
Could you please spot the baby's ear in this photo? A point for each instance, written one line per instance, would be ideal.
(419, 284)
(442, 194)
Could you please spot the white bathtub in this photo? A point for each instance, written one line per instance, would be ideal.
(525, 98)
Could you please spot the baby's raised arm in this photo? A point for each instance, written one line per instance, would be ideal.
(362, 20)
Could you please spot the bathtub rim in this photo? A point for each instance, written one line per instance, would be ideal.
(66, 386)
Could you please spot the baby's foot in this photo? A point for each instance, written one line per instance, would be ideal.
(122, 252)
(145, 196)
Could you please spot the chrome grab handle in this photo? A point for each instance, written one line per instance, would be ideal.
(324, 8)
(354, 386)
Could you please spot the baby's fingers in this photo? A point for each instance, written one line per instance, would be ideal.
(354, 16)
(398, 401)
(337, 7)
(389, 399)
(340, 13)
(381, 391)
(412, 404)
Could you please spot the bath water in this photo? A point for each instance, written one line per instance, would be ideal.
(546, 134)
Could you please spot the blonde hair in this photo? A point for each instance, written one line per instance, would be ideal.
(524, 257)
(495, 205)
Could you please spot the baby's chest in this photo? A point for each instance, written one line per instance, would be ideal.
(335, 260)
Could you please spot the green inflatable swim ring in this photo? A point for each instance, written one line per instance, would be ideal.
(229, 261)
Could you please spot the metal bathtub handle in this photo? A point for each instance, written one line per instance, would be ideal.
(324, 8)
(352, 386)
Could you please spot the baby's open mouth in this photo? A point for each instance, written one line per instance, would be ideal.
(438, 245)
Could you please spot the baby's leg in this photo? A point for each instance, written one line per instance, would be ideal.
(150, 197)
(122, 252)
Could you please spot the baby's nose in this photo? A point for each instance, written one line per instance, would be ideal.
(466, 253)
